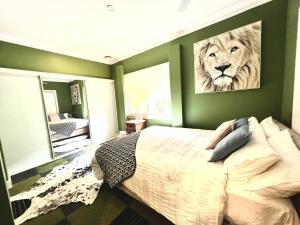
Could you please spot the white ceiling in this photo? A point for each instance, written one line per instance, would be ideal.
(88, 30)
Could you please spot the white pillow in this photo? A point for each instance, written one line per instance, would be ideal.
(53, 117)
(253, 158)
(295, 136)
(269, 127)
(282, 179)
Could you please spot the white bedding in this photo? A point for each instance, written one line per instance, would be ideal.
(174, 178)
(250, 208)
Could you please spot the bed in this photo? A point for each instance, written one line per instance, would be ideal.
(68, 134)
(173, 177)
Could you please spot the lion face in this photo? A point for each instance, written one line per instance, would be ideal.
(223, 59)
(230, 61)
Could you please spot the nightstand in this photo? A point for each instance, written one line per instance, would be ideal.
(135, 125)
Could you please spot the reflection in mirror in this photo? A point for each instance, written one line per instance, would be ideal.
(68, 110)
(66, 107)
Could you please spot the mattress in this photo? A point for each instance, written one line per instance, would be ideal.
(80, 131)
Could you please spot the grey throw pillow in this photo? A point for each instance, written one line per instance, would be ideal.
(241, 122)
(231, 143)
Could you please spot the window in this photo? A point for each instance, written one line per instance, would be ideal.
(147, 93)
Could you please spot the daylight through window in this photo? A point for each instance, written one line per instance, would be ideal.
(147, 93)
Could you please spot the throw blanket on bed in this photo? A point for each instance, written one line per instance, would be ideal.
(117, 158)
(65, 129)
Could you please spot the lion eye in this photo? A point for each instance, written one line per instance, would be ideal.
(234, 49)
(212, 55)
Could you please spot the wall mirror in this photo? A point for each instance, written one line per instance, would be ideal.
(67, 114)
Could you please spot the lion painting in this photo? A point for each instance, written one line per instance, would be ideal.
(229, 61)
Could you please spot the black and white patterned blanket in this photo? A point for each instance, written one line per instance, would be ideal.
(117, 158)
(65, 129)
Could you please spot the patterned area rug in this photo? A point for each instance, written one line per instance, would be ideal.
(73, 182)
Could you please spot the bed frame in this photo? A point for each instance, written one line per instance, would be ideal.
(130, 193)
(296, 202)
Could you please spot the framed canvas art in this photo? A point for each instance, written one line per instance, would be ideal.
(229, 61)
(75, 94)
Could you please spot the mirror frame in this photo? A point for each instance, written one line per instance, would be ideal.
(42, 78)
(5, 206)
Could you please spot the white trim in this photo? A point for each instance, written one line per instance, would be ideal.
(9, 183)
(62, 76)
(296, 93)
(56, 101)
(46, 118)
(240, 8)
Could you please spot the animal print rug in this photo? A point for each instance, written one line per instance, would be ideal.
(74, 182)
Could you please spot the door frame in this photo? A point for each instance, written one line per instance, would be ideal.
(5, 206)
(56, 100)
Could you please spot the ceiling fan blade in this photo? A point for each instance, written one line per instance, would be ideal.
(184, 4)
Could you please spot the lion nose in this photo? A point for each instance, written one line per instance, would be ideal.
(223, 67)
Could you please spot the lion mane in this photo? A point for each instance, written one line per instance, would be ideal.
(247, 73)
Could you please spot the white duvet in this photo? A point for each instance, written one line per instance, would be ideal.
(174, 178)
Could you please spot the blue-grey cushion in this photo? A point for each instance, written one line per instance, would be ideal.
(231, 143)
(241, 122)
(61, 116)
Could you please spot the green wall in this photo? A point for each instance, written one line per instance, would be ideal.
(63, 95)
(20, 57)
(290, 56)
(208, 110)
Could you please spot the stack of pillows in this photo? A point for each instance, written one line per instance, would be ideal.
(228, 137)
(282, 178)
(268, 164)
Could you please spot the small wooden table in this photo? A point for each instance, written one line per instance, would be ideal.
(135, 125)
